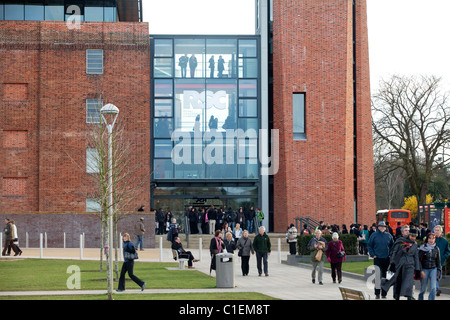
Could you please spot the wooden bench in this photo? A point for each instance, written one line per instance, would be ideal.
(353, 294)
(180, 261)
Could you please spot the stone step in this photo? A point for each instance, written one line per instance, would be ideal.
(206, 238)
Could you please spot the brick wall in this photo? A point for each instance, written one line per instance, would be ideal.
(74, 224)
(313, 53)
(44, 87)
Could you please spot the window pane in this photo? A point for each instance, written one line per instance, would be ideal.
(162, 68)
(92, 110)
(94, 61)
(248, 123)
(221, 58)
(163, 107)
(54, 13)
(34, 12)
(221, 104)
(248, 108)
(190, 100)
(194, 50)
(109, 14)
(1, 11)
(14, 11)
(298, 115)
(248, 68)
(93, 13)
(247, 48)
(163, 48)
(163, 88)
(92, 205)
(92, 160)
(163, 128)
(248, 88)
(163, 169)
(163, 148)
(248, 170)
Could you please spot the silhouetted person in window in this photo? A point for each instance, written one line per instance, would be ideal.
(182, 62)
(220, 66)
(192, 65)
(211, 66)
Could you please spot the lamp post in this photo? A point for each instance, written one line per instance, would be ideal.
(109, 115)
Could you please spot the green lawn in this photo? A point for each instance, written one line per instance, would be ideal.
(51, 275)
(48, 274)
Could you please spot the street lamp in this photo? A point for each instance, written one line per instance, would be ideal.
(109, 115)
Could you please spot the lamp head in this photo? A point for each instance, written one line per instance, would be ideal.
(109, 112)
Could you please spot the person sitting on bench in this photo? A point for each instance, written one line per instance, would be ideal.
(182, 254)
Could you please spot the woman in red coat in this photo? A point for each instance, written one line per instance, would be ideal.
(336, 254)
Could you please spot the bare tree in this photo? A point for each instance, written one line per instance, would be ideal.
(411, 125)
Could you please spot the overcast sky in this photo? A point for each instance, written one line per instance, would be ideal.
(405, 36)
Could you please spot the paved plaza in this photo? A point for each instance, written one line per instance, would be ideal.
(284, 282)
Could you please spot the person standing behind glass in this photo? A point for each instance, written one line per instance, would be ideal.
(192, 65)
(211, 66)
(182, 62)
(244, 245)
(220, 66)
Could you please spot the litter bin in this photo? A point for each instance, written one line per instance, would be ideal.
(225, 270)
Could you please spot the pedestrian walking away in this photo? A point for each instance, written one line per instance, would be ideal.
(317, 246)
(128, 265)
(139, 231)
(262, 247)
(15, 239)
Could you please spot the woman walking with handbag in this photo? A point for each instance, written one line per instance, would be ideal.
(245, 247)
(129, 254)
(336, 255)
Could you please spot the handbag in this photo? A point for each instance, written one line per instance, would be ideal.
(341, 254)
(130, 256)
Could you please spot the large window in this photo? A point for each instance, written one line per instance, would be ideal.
(93, 107)
(94, 61)
(58, 10)
(298, 116)
(205, 109)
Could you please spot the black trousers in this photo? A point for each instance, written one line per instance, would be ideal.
(187, 255)
(244, 265)
(128, 266)
(383, 264)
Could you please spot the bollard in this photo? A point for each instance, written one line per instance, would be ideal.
(160, 249)
(41, 250)
(121, 247)
(200, 246)
(45, 234)
(81, 246)
(1, 238)
(279, 250)
(26, 239)
(64, 243)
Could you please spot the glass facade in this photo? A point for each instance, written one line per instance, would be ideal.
(58, 10)
(205, 117)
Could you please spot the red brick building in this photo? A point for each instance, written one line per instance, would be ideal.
(320, 51)
(53, 77)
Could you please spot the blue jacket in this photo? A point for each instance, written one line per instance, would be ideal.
(380, 244)
(444, 250)
(128, 246)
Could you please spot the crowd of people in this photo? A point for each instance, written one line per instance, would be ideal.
(397, 257)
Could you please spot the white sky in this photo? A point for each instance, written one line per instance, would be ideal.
(406, 37)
